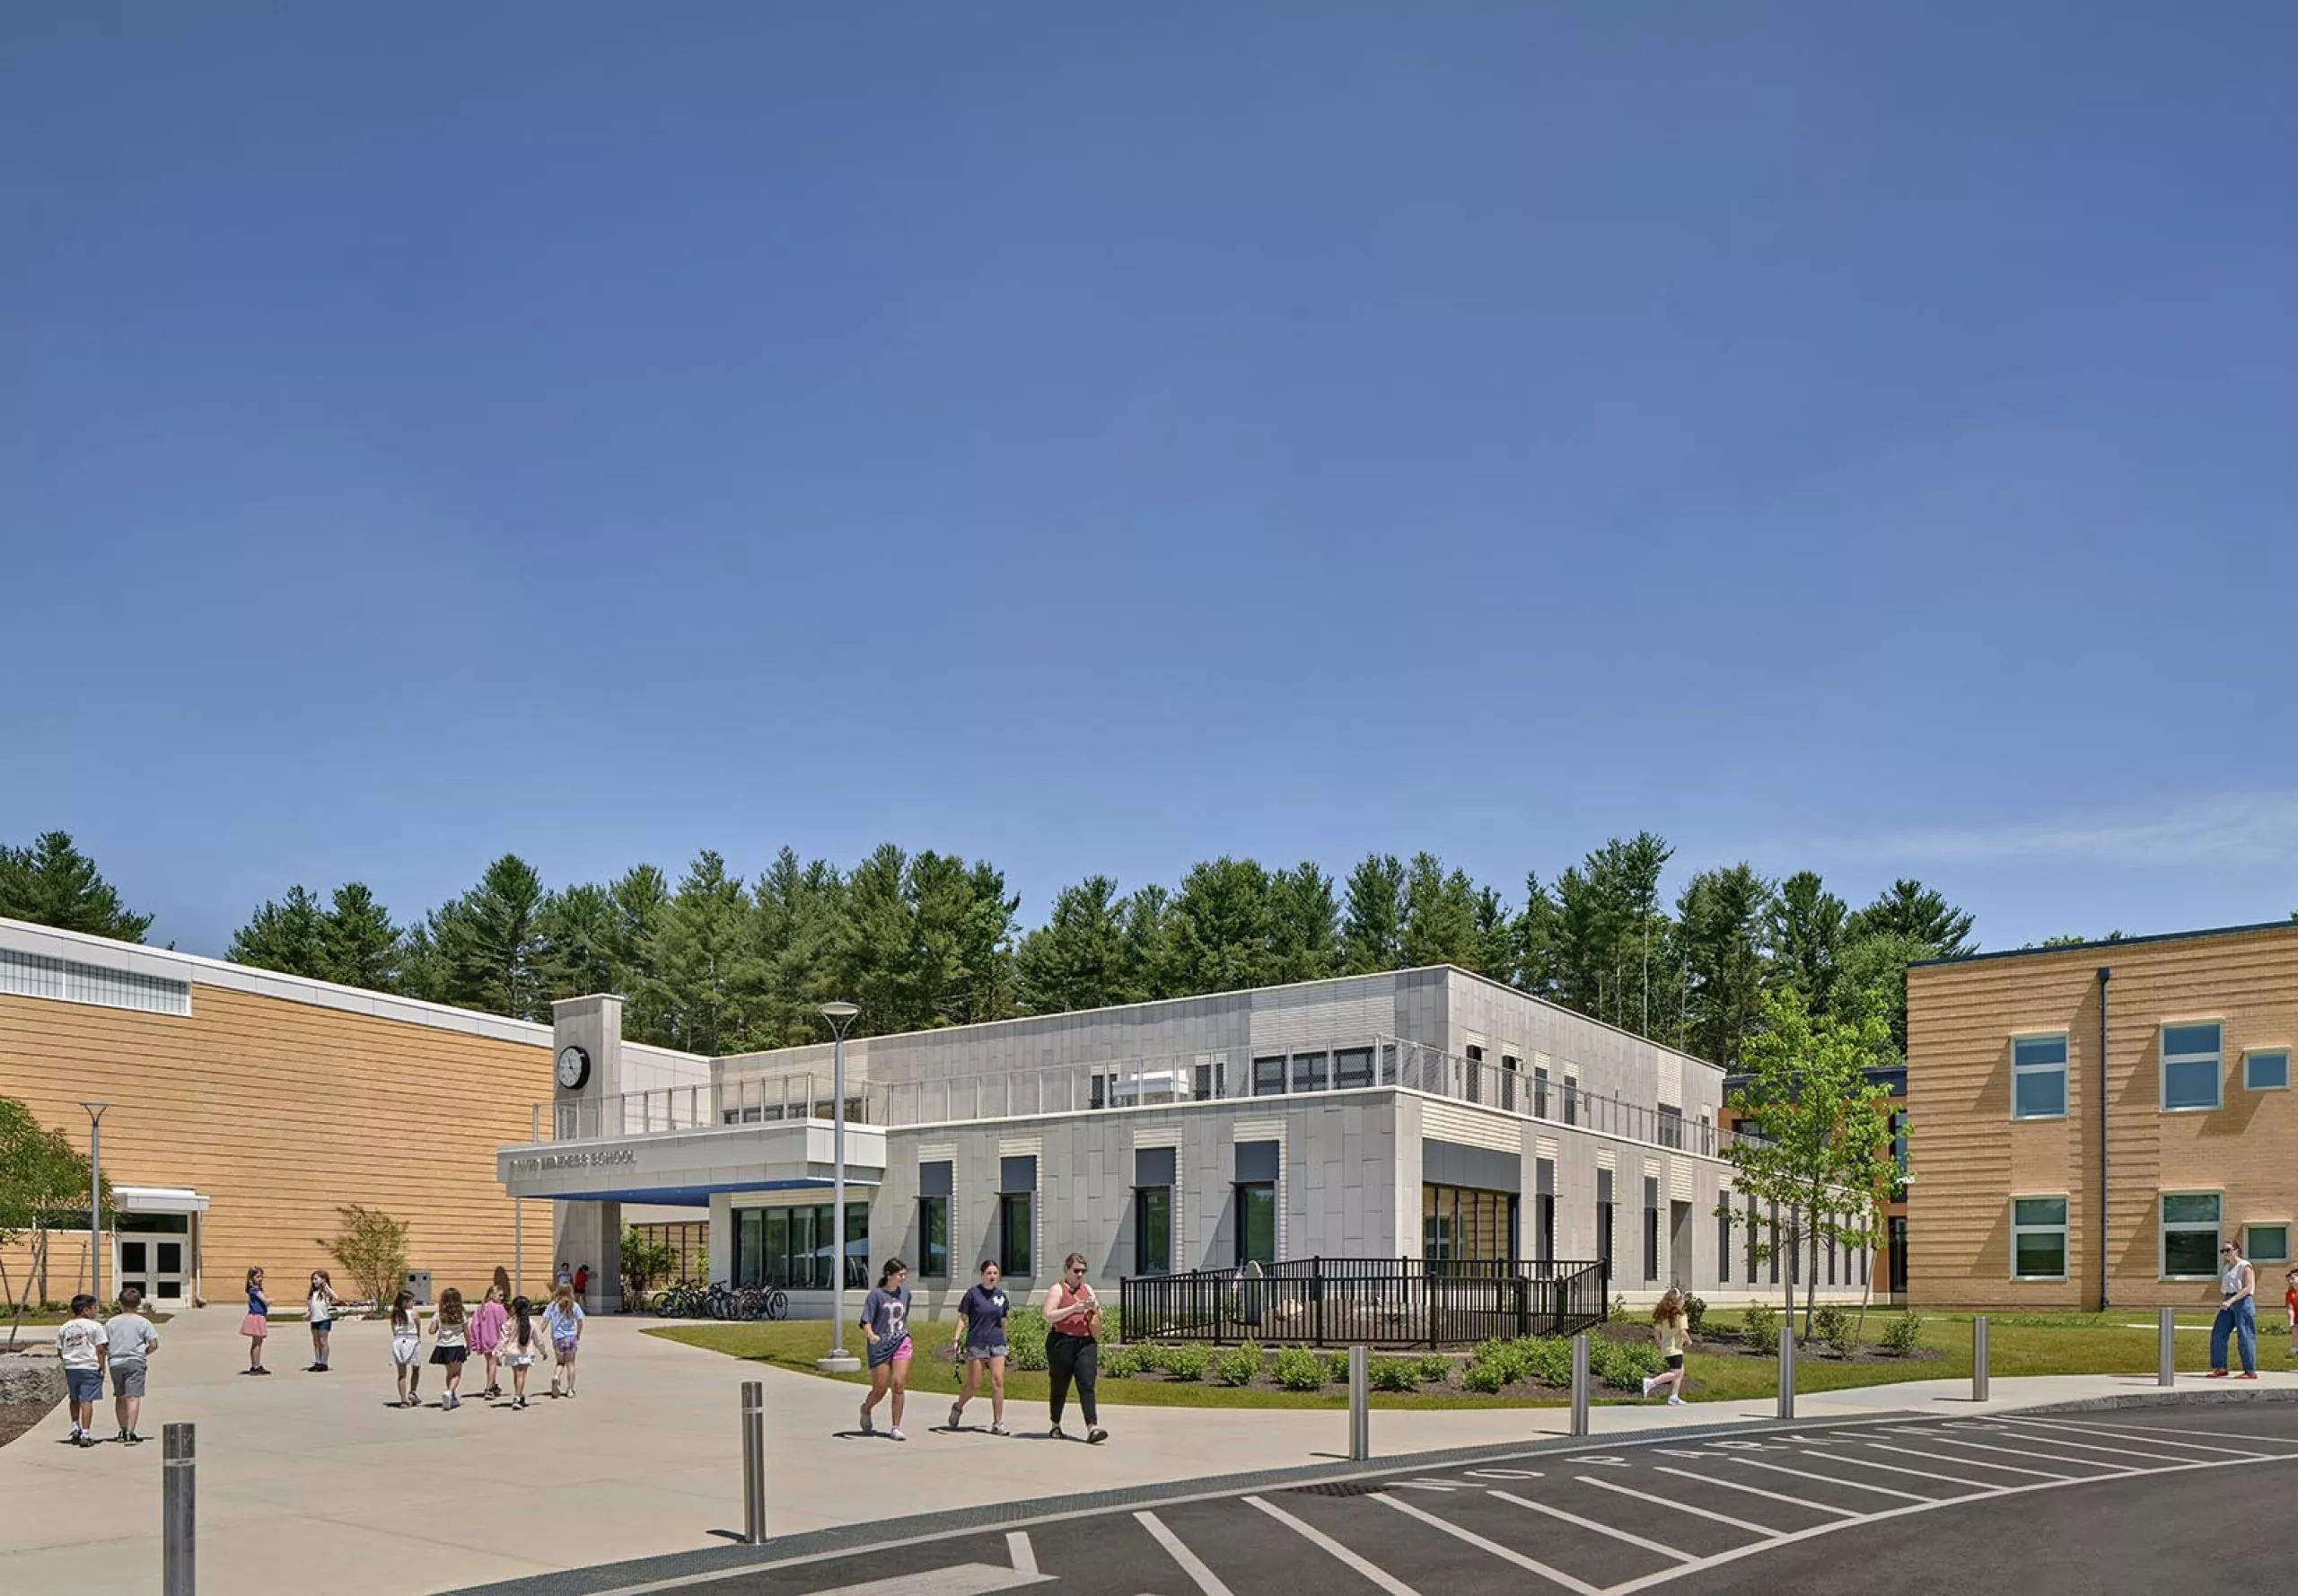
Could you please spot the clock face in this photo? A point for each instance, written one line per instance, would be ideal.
(573, 1067)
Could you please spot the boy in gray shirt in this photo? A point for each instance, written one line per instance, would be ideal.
(131, 1338)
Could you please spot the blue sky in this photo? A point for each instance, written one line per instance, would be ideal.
(1099, 441)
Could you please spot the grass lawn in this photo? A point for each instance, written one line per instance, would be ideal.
(2031, 1343)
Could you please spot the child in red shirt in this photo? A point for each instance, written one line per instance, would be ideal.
(2290, 1303)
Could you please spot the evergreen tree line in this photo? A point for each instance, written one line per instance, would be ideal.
(718, 964)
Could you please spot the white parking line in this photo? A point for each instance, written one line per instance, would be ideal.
(1508, 1554)
(1976, 1485)
(1941, 1457)
(1733, 1484)
(1600, 1528)
(1324, 1543)
(1018, 1547)
(2026, 1452)
(2189, 1445)
(1674, 1506)
(967, 1579)
(1829, 1479)
(2120, 1452)
(1191, 1563)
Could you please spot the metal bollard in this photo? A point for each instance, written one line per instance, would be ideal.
(1360, 1405)
(1979, 1357)
(1788, 1369)
(753, 1461)
(178, 1512)
(2166, 1349)
(1579, 1384)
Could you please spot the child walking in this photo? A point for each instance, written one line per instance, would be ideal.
(519, 1345)
(451, 1345)
(320, 1311)
(486, 1331)
(82, 1348)
(407, 1348)
(2290, 1307)
(257, 1325)
(1672, 1328)
(563, 1321)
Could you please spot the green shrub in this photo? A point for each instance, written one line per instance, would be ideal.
(1336, 1367)
(1434, 1368)
(1832, 1324)
(1695, 1313)
(1759, 1327)
(1394, 1374)
(1493, 1363)
(1622, 1365)
(1619, 1306)
(1239, 1365)
(1902, 1333)
(1025, 1334)
(1549, 1360)
(1185, 1360)
(1300, 1370)
(1123, 1362)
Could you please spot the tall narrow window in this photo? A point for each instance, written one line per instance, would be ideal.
(1259, 1166)
(1152, 1210)
(1777, 1240)
(1510, 1067)
(1896, 1230)
(1753, 1247)
(1544, 1214)
(1604, 1220)
(1540, 1092)
(1473, 1075)
(1723, 1241)
(1650, 1229)
(1017, 1180)
(933, 1186)
(2190, 1065)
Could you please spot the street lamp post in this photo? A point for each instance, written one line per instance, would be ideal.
(95, 1198)
(840, 1014)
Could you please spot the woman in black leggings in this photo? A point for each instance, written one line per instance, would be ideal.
(1073, 1319)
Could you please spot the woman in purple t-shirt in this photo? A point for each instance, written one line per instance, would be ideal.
(981, 1340)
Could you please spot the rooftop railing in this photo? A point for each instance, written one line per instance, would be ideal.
(1171, 1079)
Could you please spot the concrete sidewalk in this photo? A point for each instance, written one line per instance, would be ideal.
(309, 1477)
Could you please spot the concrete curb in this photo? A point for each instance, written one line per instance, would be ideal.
(2209, 1396)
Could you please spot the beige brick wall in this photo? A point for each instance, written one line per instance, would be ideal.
(280, 1111)
(1969, 1157)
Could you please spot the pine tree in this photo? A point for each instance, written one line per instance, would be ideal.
(360, 943)
(1372, 931)
(1077, 960)
(289, 936)
(52, 883)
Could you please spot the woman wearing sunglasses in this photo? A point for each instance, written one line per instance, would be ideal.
(1073, 1319)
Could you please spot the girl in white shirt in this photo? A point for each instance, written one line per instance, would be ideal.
(320, 1311)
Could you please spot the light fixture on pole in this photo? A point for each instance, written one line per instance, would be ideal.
(840, 1014)
(95, 1198)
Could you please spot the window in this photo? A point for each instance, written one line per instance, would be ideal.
(1540, 1091)
(1388, 1064)
(1650, 1229)
(1268, 1077)
(1255, 1222)
(1309, 1072)
(1017, 1213)
(934, 1219)
(1015, 1228)
(1351, 1066)
(1670, 1128)
(2191, 1061)
(1752, 1242)
(1213, 1080)
(1604, 1220)
(2267, 1243)
(1544, 1211)
(2266, 1069)
(933, 1238)
(1571, 1097)
(2191, 1235)
(1472, 1075)
(1459, 1222)
(1723, 1241)
(2038, 1077)
(792, 1247)
(1153, 1230)
(1510, 1067)
(1899, 1152)
(1895, 1229)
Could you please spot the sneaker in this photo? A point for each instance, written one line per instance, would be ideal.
(85, 1440)
(133, 1439)
(999, 1428)
(1096, 1435)
(1675, 1401)
(957, 1415)
(123, 1437)
(897, 1435)
(869, 1426)
(518, 1401)
(1647, 1385)
(1056, 1434)
(449, 1402)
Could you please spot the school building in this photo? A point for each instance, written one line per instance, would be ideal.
(2091, 1122)
(1417, 1114)
(243, 1108)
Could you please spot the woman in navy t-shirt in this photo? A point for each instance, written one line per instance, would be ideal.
(981, 1339)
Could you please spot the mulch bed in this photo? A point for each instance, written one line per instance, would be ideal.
(16, 1417)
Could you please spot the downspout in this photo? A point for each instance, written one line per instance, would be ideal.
(2106, 973)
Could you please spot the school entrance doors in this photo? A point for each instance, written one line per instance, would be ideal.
(155, 1243)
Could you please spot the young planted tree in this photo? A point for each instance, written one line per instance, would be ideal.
(43, 1188)
(1814, 1119)
(372, 1248)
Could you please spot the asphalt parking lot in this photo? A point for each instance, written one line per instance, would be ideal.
(2079, 1503)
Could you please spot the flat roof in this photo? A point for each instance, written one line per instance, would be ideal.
(2118, 941)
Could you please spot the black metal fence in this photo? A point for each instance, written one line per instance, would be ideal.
(1377, 1302)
